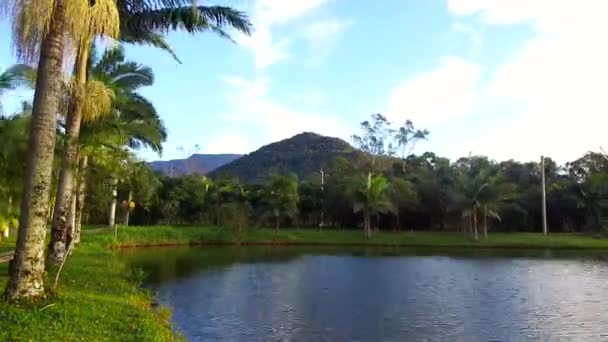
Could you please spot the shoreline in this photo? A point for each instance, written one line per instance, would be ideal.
(165, 236)
(346, 245)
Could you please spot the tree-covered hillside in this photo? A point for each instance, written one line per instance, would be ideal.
(304, 154)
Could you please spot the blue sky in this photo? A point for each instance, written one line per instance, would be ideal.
(505, 78)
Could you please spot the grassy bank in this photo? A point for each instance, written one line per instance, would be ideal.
(167, 235)
(97, 300)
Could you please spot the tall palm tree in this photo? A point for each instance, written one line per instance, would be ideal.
(133, 123)
(372, 200)
(142, 21)
(40, 31)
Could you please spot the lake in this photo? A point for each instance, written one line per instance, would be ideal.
(358, 294)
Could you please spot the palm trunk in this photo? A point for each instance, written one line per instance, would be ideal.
(475, 224)
(367, 225)
(65, 191)
(10, 206)
(80, 197)
(128, 211)
(112, 220)
(27, 268)
(485, 223)
(72, 229)
(278, 223)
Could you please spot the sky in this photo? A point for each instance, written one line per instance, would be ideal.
(510, 79)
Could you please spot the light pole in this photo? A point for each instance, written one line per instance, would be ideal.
(321, 224)
(542, 165)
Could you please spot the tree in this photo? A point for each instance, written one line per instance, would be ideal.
(407, 137)
(140, 24)
(282, 197)
(473, 180)
(372, 200)
(133, 123)
(402, 195)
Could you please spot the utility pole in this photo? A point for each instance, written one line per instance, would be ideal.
(322, 198)
(542, 165)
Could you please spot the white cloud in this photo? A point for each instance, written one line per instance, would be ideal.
(559, 77)
(435, 96)
(266, 15)
(322, 36)
(325, 32)
(263, 120)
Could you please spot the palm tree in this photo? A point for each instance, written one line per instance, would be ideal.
(141, 23)
(40, 31)
(372, 199)
(133, 123)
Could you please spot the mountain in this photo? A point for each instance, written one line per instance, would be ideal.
(196, 164)
(302, 154)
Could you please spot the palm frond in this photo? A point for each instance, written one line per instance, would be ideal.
(150, 38)
(205, 18)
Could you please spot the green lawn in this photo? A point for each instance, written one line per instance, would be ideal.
(159, 235)
(97, 300)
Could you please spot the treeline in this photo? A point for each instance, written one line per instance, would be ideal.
(424, 192)
(380, 190)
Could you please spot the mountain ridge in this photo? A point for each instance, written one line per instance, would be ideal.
(199, 163)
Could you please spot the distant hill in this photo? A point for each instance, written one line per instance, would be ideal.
(302, 154)
(200, 164)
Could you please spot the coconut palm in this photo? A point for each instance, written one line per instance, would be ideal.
(41, 29)
(142, 21)
(372, 199)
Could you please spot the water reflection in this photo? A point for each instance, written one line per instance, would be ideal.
(323, 294)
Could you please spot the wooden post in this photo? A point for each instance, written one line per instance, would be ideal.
(112, 219)
(542, 165)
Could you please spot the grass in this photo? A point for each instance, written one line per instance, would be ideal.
(168, 235)
(97, 300)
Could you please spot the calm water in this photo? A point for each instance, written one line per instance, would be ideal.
(295, 294)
